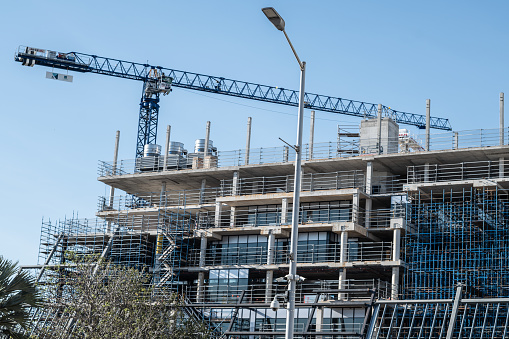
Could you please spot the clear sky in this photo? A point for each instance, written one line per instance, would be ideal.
(398, 53)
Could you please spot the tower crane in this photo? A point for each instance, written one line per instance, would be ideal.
(158, 80)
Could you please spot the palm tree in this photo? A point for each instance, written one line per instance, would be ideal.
(17, 295)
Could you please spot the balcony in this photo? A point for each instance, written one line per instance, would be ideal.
(306, 253)
(307, 292)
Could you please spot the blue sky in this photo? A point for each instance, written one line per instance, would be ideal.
(398, 53)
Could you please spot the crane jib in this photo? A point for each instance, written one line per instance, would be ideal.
(159, 80)
(81, 62)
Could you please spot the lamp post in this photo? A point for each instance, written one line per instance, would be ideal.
(292, 277)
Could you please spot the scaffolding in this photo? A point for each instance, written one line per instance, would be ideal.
(461, 236)
(172, 248)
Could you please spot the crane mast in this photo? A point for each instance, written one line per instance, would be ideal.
(156, 83)
(158, 80)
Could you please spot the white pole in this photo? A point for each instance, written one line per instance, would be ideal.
(428, 122)
(114, 168)
(501, 118)
(379, 129)
(167, 148)
(292, 283)
(248, 140)
(311, 135)
(207, 136)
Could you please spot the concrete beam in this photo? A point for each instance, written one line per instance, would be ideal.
(355, 230)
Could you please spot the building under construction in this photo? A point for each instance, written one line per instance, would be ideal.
(394, 240)
(400, 236)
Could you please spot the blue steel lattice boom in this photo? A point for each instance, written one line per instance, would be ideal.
(154, 77)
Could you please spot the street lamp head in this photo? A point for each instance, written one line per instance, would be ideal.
(274, 17)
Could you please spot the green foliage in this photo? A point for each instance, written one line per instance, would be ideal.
(18, 295)
(101, 300)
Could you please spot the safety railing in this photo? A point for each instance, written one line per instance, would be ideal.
(306, 253)
(386, 184)
(381, 217)
(256, 216)
(467, 139)
(259, 156)
(324, 150)
(250, 186)
(283, 184)
(156, 199)
(369, 251)
(458, 171)
(306, 292)
(271, 215)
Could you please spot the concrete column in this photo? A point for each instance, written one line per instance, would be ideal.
(501, 169)
(217, 216)
(395, 283)
(342, 283)
(355, 208)
(311, 134)
(162, 197)
(369, 177)
(201, 275)
(343, 254)
(233, 216)
(343, 259)
(379, 128)
(200, 293)
(114, 167)
(207, 138)
(396, 244)
(285, 153)
(426, 172)
(502, 128)
(319, 321)
(248, 140)
(202, 190)
(269, 277)
(271, 241)
(455, 141)
(284, 211)
(235, 183)
(167, 147)
(367, 216)
(428, 123)
(203, 251)
(271, 248)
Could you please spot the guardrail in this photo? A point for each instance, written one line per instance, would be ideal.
(284, 184)
(306, 253)
(324, 150)
(256, 216)
(457, 171)
(306, 292)
(381, 218)
(467, 139)
(156, 199)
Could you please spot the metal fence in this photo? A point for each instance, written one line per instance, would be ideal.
(324, 150)
(306, 253)
(306, 292)
(442, 318)
(458, 171)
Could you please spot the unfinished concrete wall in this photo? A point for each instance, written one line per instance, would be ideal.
(371, 141)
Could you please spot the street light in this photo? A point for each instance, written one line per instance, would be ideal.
(292, 277)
